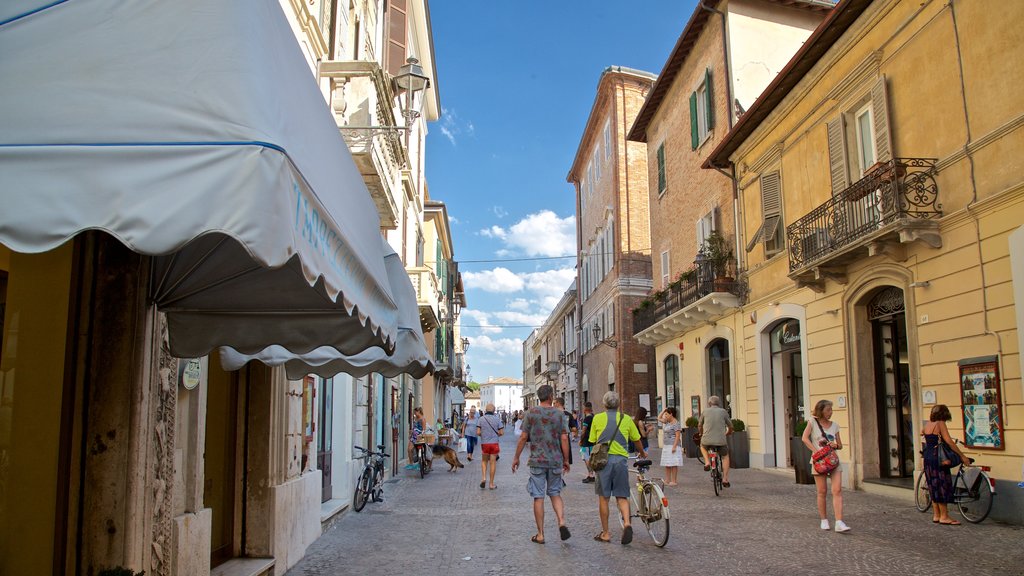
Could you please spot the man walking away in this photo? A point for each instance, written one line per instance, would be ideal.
(570, 423)
(469, 432)
(585, 443)
(613, 480)
(489, 429)
(547, 431)
(714, 426)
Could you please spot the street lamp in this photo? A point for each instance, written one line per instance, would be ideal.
(596, 330)
(411, 81)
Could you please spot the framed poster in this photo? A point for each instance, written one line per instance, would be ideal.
(982, 402)
(695, 406)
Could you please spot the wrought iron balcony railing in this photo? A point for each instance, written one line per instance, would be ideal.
(901, 189)
(703, 280)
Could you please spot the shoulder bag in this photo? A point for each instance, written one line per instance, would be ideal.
(825, 459)
(946, 456)
(599, 452)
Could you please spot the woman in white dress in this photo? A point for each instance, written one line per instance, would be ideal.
(671, 450)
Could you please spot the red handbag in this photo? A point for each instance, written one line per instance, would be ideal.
(825, 460)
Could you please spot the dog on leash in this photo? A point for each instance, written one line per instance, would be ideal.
(450, 456)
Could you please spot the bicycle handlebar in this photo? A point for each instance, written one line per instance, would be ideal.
(371, 452)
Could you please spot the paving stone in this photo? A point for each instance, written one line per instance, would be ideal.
(764, 525)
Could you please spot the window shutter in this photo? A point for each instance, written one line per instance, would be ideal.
(770, 198)
(664, 269)
(661, 168)
(880, 112)
(710, 108)
(694, 135)
(837, 155)
(396, 36)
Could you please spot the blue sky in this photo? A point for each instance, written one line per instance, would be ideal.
(517, 82)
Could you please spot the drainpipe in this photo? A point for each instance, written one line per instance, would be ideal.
(729, 116)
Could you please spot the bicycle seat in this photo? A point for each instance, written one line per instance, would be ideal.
(642, 464)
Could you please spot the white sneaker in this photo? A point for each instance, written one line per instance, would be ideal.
(824, 524)
(841, 526)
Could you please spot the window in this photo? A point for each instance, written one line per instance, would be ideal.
(607, 139)
(702, 111)
(420, 247)
(597, 164)
(662, 184)
(705, 226)
(859, 137)
(664, 269)
(771, 231)
(672, 381)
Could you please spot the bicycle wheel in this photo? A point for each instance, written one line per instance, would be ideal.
(976, 502)
(656, 518)
(423, 463)
(922, 497)
(362, 490)
(377, 489)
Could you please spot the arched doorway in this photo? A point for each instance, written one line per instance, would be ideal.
(894, 410)
(719, 381)
(785, 397)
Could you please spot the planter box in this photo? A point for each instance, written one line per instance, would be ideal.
(739, 449)
(690, 447)
(801, 460)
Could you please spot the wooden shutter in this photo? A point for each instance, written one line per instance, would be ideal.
(694, 130)
(664, 269)
(661, 168)
(396, 36)
(771, 201)
(880, 113)
(837, 156)
(710, 100)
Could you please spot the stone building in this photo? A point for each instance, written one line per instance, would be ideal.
(609, 175)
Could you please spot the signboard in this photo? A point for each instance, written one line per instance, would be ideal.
(189, 373)
(982, 402)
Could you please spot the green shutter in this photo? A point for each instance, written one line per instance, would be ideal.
(710, 100)
(694, 136)
(661, 168)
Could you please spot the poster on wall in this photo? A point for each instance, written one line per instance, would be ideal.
(982, 402)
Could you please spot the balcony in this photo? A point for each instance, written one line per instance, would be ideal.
(702, 295)
(895, 204)
(428, 296)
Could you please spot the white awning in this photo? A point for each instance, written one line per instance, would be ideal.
(455, 395)
(410, 357)
(195, 132)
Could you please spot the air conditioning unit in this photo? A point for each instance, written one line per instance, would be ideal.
(814, 244)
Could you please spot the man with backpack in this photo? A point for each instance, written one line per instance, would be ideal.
(616, 430)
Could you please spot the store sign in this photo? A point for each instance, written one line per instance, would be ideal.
(189, 372)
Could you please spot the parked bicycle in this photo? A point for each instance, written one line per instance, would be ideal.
(716, 468)
(650, 504)
(422, 454)
(370, 486)
(973, 491)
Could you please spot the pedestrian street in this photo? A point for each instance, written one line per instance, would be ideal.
(764, 524)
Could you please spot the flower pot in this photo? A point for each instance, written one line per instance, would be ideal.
(739, 449)
(801, 460)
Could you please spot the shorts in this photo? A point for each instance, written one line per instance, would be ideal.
(490, 448)
(613, 480)
(585, 453)
(722, 450)
(545, 481)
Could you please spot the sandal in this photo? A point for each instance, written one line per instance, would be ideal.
(536, 539)
(494, 487)
(482, 484)
(726, 485)
(563, 531)
(950, 523)
(627, 534)
(605, 540)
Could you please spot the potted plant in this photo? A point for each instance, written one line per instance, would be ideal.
(691, 448)
(717, 254)
(739, 445)
(801, 454)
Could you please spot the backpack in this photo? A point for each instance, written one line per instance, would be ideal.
(599, 452)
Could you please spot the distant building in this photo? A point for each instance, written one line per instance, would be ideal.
(505, 393)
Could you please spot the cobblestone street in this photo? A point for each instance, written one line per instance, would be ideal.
(764, 524)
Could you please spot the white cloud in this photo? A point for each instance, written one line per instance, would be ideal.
(540, 234)
(518, 304)
(549, 283)
(452, 126)
(499, 212)
(515, 318)
(479, 318)
(497, 280)
(497, 346)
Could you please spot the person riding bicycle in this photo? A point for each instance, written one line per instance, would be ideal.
(418, 424)
(714, 425)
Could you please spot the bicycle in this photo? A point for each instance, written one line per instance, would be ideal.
(424, 458)
(973, 491)
(716, 468)
(650, 504)
(370, 485)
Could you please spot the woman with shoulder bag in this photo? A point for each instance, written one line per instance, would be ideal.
(819, 434)
(936, 470)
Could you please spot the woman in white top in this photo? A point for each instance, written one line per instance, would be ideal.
(814, 440)
(672, 450)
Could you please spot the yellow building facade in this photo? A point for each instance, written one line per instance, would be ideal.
(879, 182)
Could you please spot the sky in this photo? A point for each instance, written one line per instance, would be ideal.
(517, 81)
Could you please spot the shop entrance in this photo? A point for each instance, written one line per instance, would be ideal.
(719, 381)
(224, 461)
(787, 387)
(325, 435)
(893, 400)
